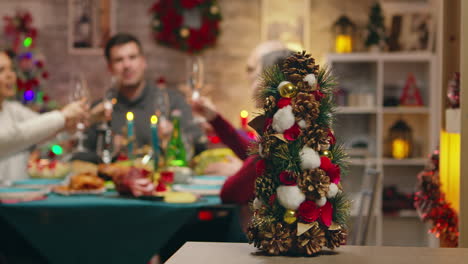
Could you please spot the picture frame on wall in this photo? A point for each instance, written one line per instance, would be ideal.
(286, 23)
(90, 24)
(410, 27)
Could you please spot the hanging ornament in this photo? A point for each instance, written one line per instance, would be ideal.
(290, 216)
(287, 89)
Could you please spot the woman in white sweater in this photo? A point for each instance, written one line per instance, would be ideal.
(21, 128)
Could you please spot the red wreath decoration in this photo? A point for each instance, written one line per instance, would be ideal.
(170, 28)
(18, 28)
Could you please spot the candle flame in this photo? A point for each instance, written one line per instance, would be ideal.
(244, 114)
(154, 119)
(130, 116)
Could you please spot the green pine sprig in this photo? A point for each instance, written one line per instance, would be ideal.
(326, 81)
(327, 111)
(340, 158)
(270, 79)
(342, 207)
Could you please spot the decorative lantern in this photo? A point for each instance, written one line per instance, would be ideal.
(400, 140)
(344, 30)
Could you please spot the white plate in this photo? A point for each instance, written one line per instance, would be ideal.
(79, 192)
(21, 193)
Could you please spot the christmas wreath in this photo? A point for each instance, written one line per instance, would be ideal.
(186, 25)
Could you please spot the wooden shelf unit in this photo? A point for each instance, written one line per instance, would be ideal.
(377, 74)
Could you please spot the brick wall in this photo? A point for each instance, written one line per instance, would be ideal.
(224, 65)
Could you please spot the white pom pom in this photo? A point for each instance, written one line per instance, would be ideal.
(257, 203)
(290, 197)
(310, 159)
(281, 84)
(321, 202)
(332, 190)
(283, 119)
(310, 79)
(302, 124)
(260, 150)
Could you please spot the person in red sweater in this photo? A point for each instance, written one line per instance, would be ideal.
(239, 188)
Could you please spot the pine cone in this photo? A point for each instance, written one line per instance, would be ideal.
(277, 239)
(269, 142)
(315, 136)
(265, 187)
(311, 241)
(335, 238)
(305, 108)
(298, 65)
(314, 183)
(270, 104)
(253, 236)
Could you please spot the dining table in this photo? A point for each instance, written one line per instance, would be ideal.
(105, 228)
(233, 253)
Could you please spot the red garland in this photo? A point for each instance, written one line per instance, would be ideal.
(430, 202)
(169, 28)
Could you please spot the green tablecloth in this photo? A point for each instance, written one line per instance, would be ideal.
(97, 229)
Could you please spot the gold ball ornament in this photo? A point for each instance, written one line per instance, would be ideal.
(287, 90)
(289, 217)
(214, 10)
(326, 153)
(156, 23)
(184, 32)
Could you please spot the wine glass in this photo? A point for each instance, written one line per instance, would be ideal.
(195, 74)
(79, 91)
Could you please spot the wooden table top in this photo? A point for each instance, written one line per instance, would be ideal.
(227, 253)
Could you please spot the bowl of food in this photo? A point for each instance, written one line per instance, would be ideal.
(48, 169)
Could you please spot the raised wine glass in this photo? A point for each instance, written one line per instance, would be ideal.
(79, 91)
(195, 74)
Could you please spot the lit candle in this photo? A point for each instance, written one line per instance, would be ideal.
(343, 44)
(400, 148)
(155, 140)
(130, 133)
(244, 114)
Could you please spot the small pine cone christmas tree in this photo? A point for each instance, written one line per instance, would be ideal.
(299, 206)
